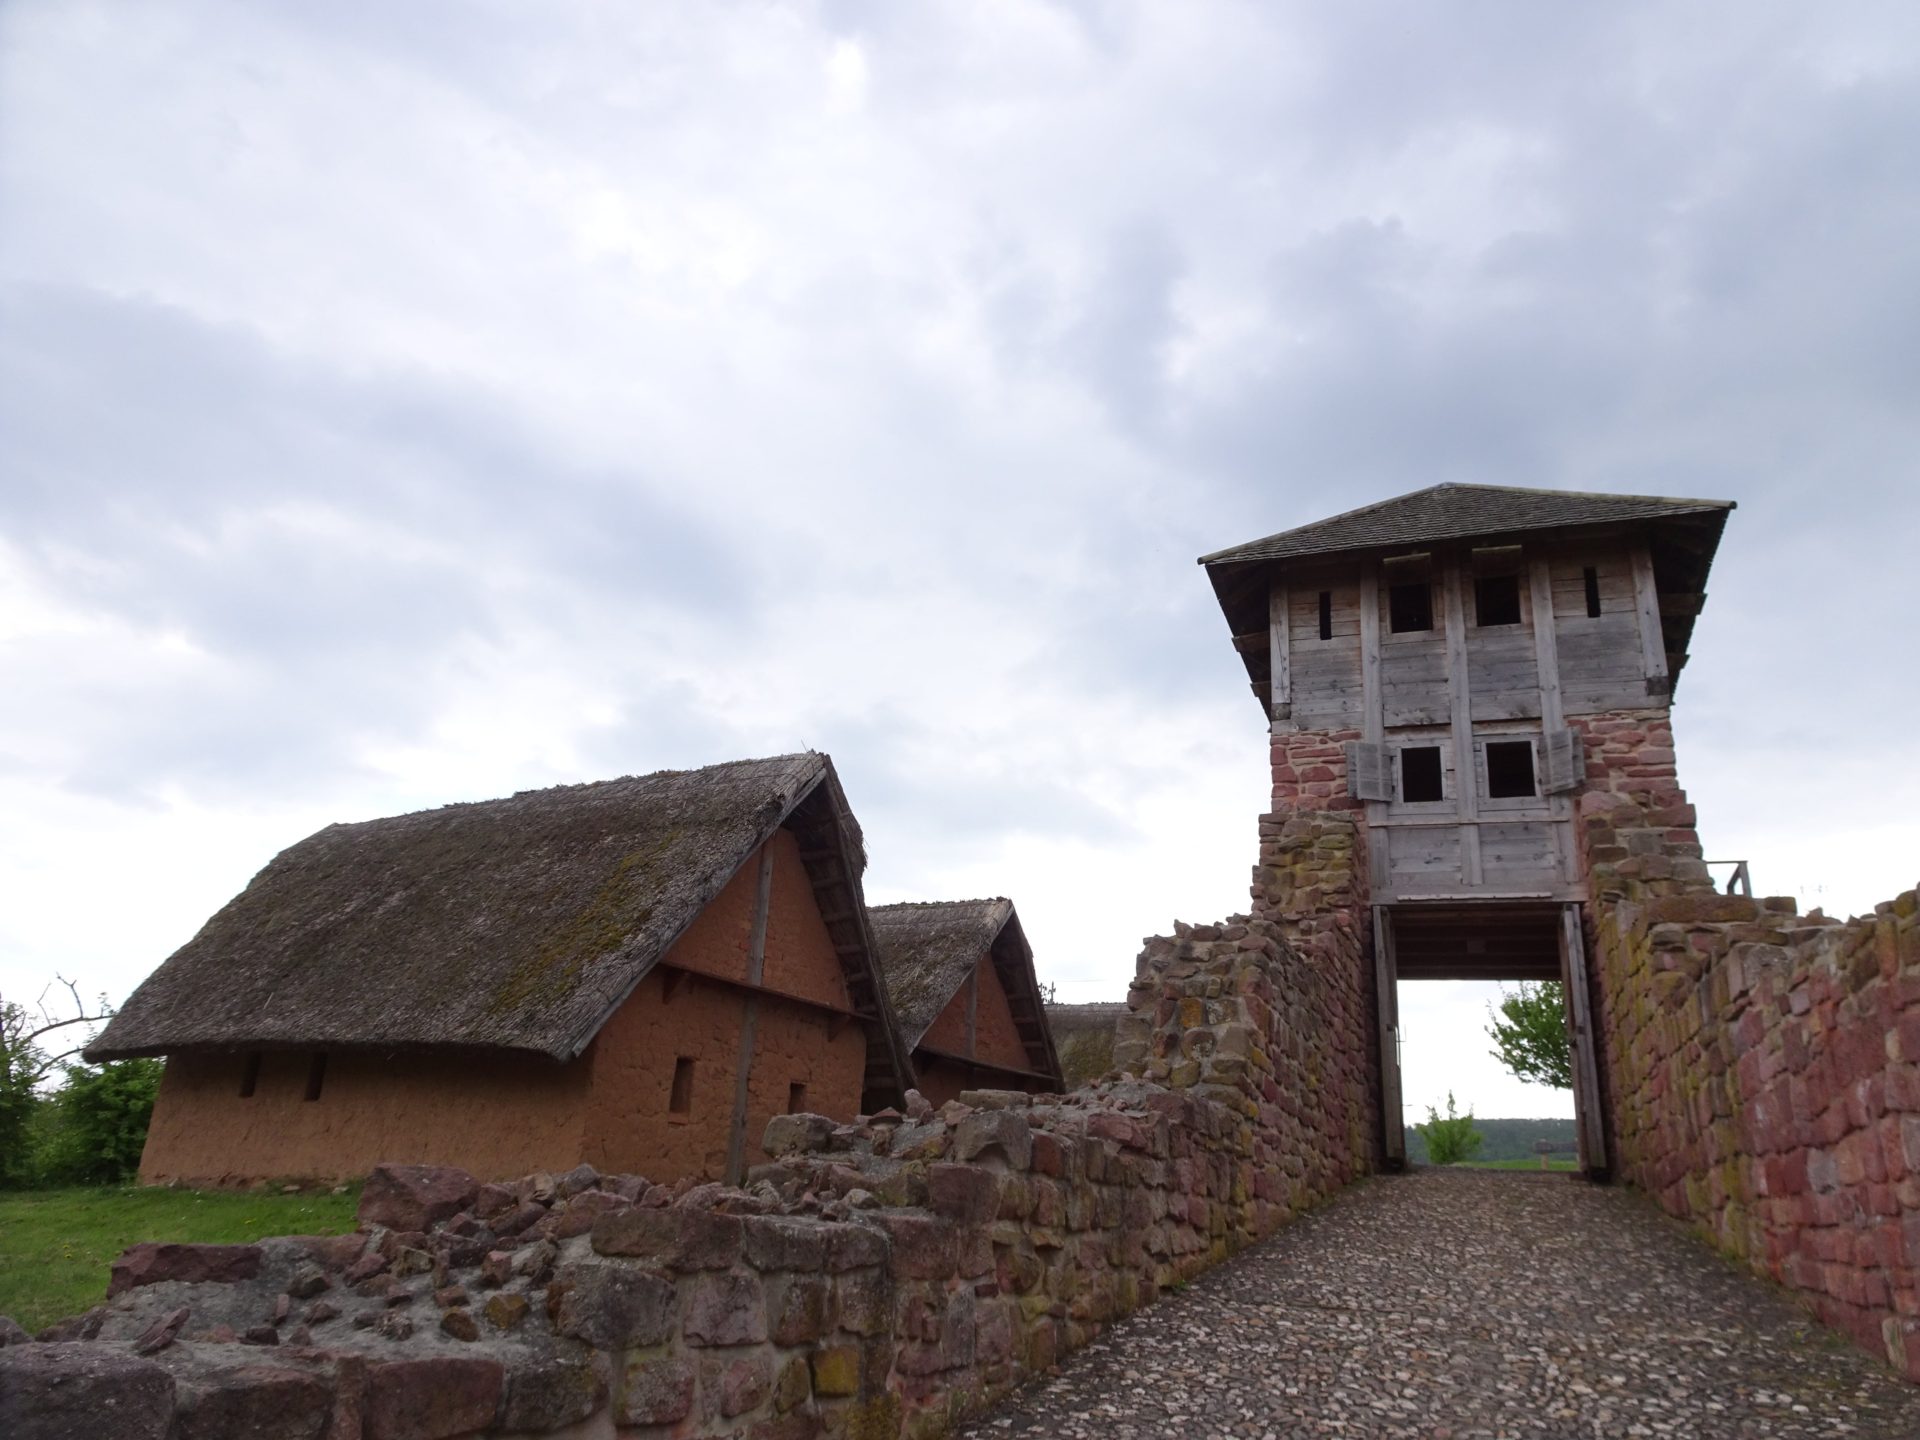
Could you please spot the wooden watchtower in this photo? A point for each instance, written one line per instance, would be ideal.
(1456, 646)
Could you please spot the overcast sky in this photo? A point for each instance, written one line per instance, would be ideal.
(402, 404)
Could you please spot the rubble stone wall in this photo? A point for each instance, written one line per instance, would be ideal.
(873, 1280)
(1763, 1068)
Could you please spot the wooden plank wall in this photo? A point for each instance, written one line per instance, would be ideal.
(1460, 683)
(1325, 673)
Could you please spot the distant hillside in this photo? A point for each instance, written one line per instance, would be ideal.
(1505, 1139)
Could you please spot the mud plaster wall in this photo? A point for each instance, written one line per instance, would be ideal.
(503, 1117)
(800, 957)
(996, 1039)
(507, 1116)
(1762, 1068)
(631, 1128)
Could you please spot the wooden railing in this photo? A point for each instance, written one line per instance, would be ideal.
(1740, 882)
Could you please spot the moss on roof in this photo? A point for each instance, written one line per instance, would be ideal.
(515, 924)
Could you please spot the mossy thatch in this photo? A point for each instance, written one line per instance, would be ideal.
(507, 925)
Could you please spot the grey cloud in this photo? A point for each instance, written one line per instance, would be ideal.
(154, 458)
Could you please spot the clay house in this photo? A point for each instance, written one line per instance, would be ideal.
(637, 974)
(960, 974)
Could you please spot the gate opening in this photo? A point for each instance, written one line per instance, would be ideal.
(1487, 940)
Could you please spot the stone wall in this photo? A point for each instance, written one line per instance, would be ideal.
(1762, 1069)
(874, 1279)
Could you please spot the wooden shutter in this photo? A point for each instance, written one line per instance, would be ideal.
(1566, 761)
(1369, 771)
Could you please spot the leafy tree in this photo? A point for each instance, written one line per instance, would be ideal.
(24, 1067)
(1450, 1139)
(1531, 1040)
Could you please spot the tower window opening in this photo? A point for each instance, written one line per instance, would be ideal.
(680, 1096)
(1496, 600)
(1510, 770)
(1420, 775)
(1592, 577)
(250, 1075)
(1326, 614)
(1410, 607)
(797, 1098)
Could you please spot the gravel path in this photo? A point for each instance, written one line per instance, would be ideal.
(1469, 1305)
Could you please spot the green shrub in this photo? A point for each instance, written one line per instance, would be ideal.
(98, 1123)
(1452, 1139)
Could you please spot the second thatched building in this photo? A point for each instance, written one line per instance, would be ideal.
(961, 977)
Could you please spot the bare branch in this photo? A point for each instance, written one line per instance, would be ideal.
(79, 1016)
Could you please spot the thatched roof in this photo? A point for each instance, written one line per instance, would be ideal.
(928, 949)
(1682, 534)
(505, 925)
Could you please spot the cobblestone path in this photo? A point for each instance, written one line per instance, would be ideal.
(1468, 1305)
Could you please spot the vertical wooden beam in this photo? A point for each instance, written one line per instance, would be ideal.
(1460, 710)
(1386, 983)
(1646, 604)
(1373, 711)
(750, 1019)
(1280, 654)
(1546, 643)
(1546, 654)
(1589, 1123)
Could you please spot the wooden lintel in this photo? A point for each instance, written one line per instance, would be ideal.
(743, 988)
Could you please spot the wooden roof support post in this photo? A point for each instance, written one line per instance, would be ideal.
(1589, 1123)
(1460, 711)
(1386, 989)
(750, 1019)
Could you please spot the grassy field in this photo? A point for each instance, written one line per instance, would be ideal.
(1554, 1162)
(56, 1245)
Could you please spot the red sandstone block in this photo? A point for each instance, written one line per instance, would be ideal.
(428, 1397)
(1787, 1174)
(148, 1263)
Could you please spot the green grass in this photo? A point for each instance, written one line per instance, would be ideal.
(1554, 1162)
(56, 1245)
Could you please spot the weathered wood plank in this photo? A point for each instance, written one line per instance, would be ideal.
(1590, 1124)
(1460, 708)
(1653, 645)
(1546, 649)
(1371, 722)
(1387, 1007)
(1279, 655)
